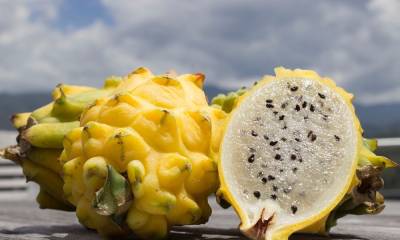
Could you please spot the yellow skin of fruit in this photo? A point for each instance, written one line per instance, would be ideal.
(316, 224)
(161, 133)
(47, 201)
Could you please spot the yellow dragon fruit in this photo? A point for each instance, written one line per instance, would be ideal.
(141, 154)
(293, 158)
(145, 158)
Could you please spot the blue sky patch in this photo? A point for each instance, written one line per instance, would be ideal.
(77, 14)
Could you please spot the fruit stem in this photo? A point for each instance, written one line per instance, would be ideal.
(11, 153)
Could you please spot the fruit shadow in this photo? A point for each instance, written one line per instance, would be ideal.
(198, 233)
(335, 236)
(76, 232)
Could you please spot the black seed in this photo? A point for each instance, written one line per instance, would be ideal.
(281, 117)
(293, 157)
(321, 95)
(277, 149)
(277, 157)
(264, 180)
(310, 133)
(294, 169)
(266, 137)
(274, 188)
(260, 174)
(284, 127)
(337, 138)
(270, 177)
(251, 158)
(269, 105)
(273, 143)
(257, 194)
(304, 105)
(254, 133)
(283, 105)
(313, 137)
(268, 100)
(275, 112)
(273, 196)
(294, 89)
(297, 108)
(305, 117)
(294, 209)
(283, 139)
(300, 160)
(281, 170)
(312, 108)
(297, 139)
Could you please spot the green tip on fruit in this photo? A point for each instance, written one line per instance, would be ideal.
(48, 135)
(228, 101)
(115, 197)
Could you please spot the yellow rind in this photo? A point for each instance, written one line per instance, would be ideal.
(20, 119)
(47, 158)
(48, 180)
(162, 133)
(63, 89)
(46, 201)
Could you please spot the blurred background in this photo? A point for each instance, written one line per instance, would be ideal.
(234, 43)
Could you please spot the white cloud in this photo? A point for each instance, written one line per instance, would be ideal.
(232, 42)
(381, 97)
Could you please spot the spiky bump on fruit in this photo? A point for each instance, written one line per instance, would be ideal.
(159, 133)
(293, 159)
(41, 135)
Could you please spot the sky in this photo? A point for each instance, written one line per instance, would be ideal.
(234, 43)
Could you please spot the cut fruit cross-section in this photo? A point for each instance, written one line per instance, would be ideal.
(289, 153)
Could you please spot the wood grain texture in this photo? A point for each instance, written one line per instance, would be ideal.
(22, 220)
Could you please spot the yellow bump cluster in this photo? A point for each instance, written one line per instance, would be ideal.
(160, 133)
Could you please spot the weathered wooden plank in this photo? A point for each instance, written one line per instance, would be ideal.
(20, 220)
(10, 171)
(13, 184)
(4, 162)
(7, 138)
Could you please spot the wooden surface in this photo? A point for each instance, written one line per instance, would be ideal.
(22, 220)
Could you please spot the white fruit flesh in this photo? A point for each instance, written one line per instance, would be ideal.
(289, 149)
